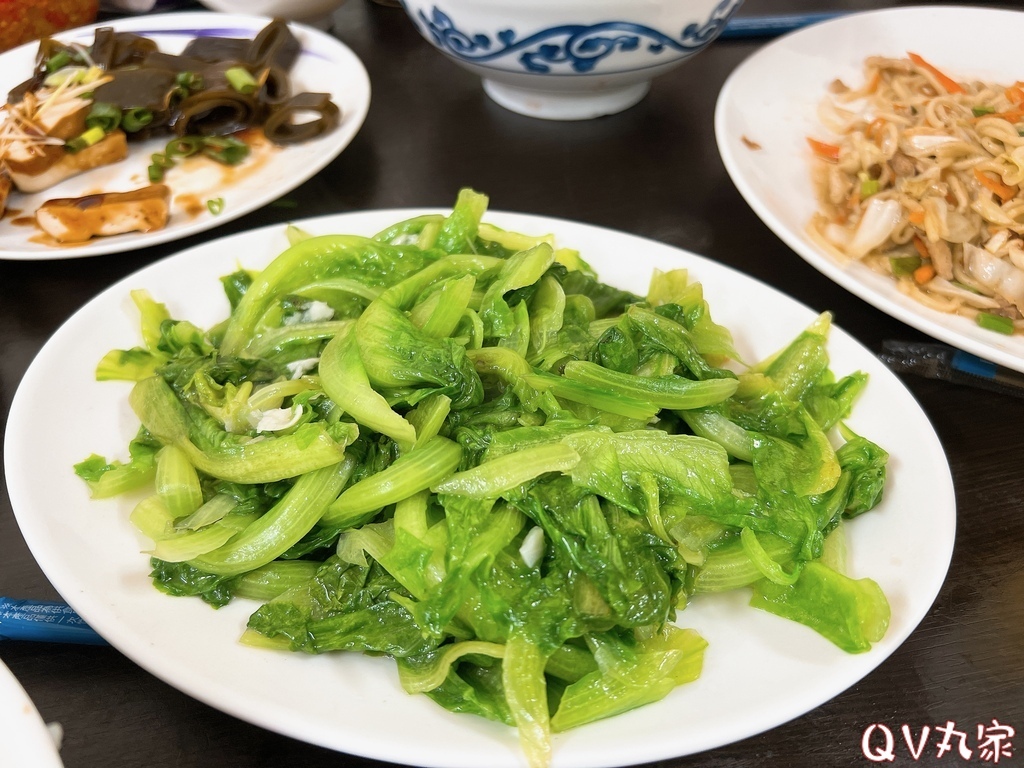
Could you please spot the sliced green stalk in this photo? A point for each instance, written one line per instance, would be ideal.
(344, 379)
(730, 567)
(152, 518)
(602, 399)
(451, 301)
(714, 426)
(512, 241)
(494, 478)
(428, 676)
(409, 474)
(429, 416)
(280, 527)
(187, 545)
(210, 512)
(310, 447)
(269, 581)
(273, 395)
(177, 482)
(339, 285)
(768, 567)
(277, 339)
(152, 315)
(526, 692)
(673, 392)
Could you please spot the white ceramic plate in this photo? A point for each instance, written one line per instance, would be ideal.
(772, 97)
(760, 670)
(24, 737)
(324, 66)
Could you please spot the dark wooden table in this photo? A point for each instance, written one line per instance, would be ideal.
(653, 171)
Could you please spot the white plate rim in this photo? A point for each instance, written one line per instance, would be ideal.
(857, 279)
(24, 737)
(354, 110)
(109, 609)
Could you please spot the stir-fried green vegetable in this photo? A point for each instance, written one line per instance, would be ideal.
(452, 445)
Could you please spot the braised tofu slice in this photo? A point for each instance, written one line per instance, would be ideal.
(74, 220)
(112, 149)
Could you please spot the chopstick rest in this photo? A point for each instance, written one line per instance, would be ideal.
(938, 361)
(771, 26)
(44, 622)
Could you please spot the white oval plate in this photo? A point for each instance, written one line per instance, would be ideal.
(760, 670)
(24, 737)
(324, 66)
(772, 97)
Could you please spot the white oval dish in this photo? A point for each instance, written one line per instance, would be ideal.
(760, 670)
(324, 66)
(771, 100)
(24, 738)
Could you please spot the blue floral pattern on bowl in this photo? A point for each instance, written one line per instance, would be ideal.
(580, 46)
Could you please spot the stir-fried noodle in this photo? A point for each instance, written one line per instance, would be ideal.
(926, 184)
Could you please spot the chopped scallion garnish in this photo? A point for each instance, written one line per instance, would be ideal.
(226, 149)
(240, 79)
(904, 266)
(136, 118)
(216, 205)
(103, 115)
(191, 81)
(185, 146)
(84, 140)
(979, 111)
(997, 323)
(59, 60)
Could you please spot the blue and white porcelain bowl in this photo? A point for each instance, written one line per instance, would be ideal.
(569, 59)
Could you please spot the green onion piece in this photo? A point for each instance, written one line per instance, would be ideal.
(979, 111)
(103, 115)
(226, 149)
(869, 187)
(904, 266)
(996, 323)
(191, 81)
(136, 118)
(240, 79)
(186, 146)
(159, 163)
(57, 61)
(84, 140)
(216, 205)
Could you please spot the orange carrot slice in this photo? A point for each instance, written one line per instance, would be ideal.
(924, 273)
(1015, 94)
(951, 85)
(824, 150)
(1003, 191)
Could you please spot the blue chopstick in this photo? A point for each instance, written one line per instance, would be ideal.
(739, 27)
(44, 622)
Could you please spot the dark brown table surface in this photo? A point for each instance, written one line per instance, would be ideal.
(654, 171)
